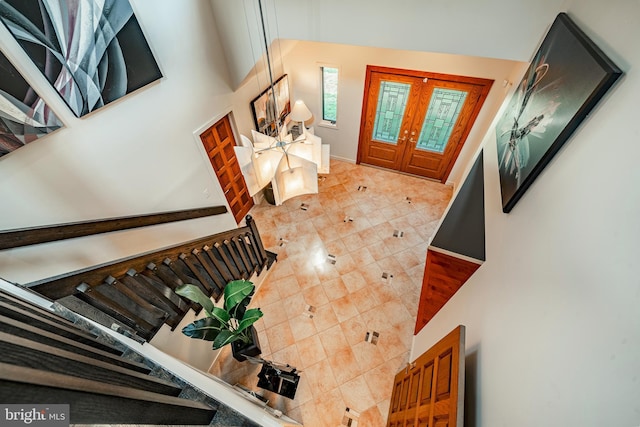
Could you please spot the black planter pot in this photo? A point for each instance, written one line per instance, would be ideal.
(240, 350)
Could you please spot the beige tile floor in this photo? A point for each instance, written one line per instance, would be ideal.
(349, 297)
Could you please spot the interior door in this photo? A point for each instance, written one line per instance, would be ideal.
(218, 141)
(430, 391)
(417, 122)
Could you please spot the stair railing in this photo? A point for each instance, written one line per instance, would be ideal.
(135, 295)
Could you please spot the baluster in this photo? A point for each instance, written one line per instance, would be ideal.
(152, 296)
(169, 278)
(256, 236)
(126, 297)
(105, 304)
(248, 246)
(211, 270)
(199, 272)
(262, 262)
(235, 258)
(150, 279)
(218, 262)
(183, 272)
(235, 273)
(240, 249)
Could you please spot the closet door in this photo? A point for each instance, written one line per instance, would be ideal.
(218, 140)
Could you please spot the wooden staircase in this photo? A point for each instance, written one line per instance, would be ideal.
(135, 296)
(45, 359)
(49, 357)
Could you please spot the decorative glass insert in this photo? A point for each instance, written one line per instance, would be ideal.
(329, 94)
(442, 114)
(392, 101)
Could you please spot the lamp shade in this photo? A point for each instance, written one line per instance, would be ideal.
(293, 177)
(300, 112)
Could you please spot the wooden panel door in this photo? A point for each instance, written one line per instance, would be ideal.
(417, 122)
(218, 141)
(430, 391)
(388, 112)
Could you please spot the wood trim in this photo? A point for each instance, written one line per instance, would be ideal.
(484, 92)
(51, 233)
(456, 255)
(363, 113)
(429, 75)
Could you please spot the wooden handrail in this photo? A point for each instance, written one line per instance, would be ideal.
(51, 233)
(65, 284)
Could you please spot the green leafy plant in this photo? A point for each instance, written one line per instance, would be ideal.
(223, 325)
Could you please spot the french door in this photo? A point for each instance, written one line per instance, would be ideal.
(417, 122)
(218, 141)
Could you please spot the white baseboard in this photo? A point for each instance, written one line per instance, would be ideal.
(343, 159)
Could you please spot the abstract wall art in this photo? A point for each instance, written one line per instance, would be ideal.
(24, 116)
(567, 77)
(92, 52)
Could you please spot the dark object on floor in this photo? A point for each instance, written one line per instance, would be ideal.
(278, 379)
(268, 195)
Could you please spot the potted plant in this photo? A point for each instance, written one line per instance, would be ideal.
(231, 324)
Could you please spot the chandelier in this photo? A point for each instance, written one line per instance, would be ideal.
(290, 165)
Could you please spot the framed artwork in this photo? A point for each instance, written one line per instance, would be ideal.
(566, 79)
(91, 52)
(24, 116)
(269, 112)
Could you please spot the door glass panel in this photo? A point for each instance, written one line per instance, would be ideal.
(392, 101)
(442, 114)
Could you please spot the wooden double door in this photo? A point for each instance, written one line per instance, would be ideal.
(417, 122)
(430, 392)
(219, 141)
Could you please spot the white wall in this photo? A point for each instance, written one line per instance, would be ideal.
(135, 156)
(491, 28)
(239, 27)
(553, 325)
(303, 62)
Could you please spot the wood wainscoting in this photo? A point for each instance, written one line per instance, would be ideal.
(444, 274)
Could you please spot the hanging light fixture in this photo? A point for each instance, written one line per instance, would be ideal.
(291, 166)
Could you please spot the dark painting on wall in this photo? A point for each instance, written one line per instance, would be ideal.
(566, 79)
(92, 52)
(24, 116)
(268, 111)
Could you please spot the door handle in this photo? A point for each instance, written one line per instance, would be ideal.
(411, 140)
(225, 193)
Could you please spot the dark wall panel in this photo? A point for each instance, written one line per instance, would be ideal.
(462, 230)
